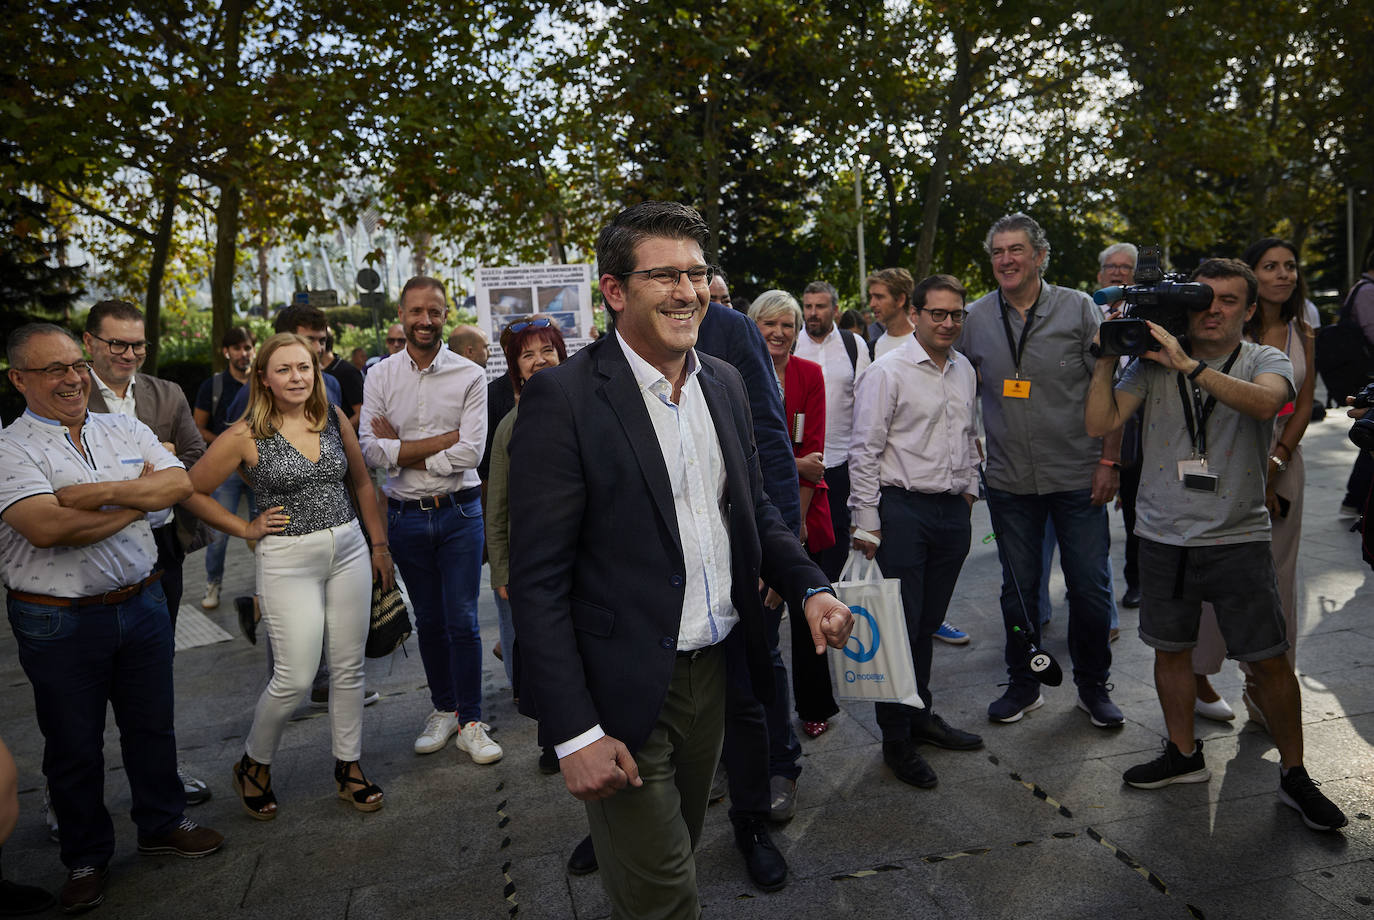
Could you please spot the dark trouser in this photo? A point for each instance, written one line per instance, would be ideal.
(837, 489)
(759, 741)
(1084, 543)
(1130, 486)
(810, 674)
(80, 659)
(644, 835)
(1361, 476)
(925, 541)
(170, 556)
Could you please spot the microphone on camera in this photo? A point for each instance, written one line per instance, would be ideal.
(1108, 295)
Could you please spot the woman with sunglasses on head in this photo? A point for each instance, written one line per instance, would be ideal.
(313, 572)
(1278, 321)
(530, 345)
(802, 385)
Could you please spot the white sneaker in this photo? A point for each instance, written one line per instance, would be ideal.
(211, 600)
(439, 727)
(473, 739)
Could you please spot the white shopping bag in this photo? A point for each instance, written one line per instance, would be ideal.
(875, 664)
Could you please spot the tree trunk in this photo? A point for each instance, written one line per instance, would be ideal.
(959, 93)
(710, 197)
(895, 244)
(157, 268)
(230, 195)
(264, 276)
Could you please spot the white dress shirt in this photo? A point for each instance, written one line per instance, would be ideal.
(450, 393)
(839, 375)
(696, 470)
(38, 457)
(913, 428)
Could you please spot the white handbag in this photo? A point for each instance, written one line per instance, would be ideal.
(875, 664)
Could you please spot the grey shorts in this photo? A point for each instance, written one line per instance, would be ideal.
(1239, 581)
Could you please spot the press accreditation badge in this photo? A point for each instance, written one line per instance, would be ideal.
(1195, 475)
(1015, 388)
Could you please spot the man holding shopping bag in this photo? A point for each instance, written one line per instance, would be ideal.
(913, 465)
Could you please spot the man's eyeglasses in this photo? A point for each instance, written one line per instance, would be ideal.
(541, 323)
(400, 340)
(700, 276)
(1117, 267)
(58, 371)
(118, 347)
(939, 316)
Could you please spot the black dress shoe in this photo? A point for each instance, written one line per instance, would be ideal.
(548, 762)
(910, 767)
(932, 729)
(1131, 598)
(583, 858)
(17, 900)
(767, 868)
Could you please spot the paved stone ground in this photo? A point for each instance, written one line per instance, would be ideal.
(1038, 824)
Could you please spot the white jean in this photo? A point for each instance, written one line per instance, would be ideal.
(315, 591)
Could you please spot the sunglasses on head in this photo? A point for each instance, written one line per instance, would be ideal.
(521, 326)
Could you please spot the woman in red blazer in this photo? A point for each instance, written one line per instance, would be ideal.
(779, 318)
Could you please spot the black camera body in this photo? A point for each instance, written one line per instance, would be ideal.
(1163, 299)
(1362, 432)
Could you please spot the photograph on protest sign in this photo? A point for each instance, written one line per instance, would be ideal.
(514, 293)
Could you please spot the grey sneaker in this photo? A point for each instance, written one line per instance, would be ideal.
(784, 799)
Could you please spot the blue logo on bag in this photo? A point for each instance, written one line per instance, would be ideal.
(863, 654)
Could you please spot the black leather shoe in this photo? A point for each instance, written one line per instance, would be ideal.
(767, 868)
(1131, 598)
(910, 767)
(929, 728)
(17, 900)
(583, 858)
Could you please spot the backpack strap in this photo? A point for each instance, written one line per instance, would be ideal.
(852, 347)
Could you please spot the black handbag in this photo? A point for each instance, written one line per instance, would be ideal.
(389, 625)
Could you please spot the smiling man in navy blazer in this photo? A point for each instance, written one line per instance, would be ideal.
(639, 531)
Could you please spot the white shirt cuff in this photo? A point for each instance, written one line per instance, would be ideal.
(867, 519)
(576, 744)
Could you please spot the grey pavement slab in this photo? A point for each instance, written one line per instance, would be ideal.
(1036, 824)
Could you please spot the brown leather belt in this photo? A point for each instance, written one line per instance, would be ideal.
(108, 599)
(435, 502)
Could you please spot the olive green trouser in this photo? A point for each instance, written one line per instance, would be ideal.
(644, 836)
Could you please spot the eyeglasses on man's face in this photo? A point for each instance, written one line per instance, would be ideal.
(58, 371)
(699, 275)
(118, 346)
(939, 316)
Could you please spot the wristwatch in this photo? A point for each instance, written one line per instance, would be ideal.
(1280, 465)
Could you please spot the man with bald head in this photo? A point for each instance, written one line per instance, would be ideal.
(470, 342)
(79, 496)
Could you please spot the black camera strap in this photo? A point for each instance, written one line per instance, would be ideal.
(1197, 430)
(1018, 348)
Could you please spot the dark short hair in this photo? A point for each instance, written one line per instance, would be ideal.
(937, 283)
(19, 339)
(852, 320)
(116, 309)
(419, 283)
(237, 335)
(823, 287)
(615, 244)
(896, 280)
(1228, 268)
(515, 343)
(297, 315)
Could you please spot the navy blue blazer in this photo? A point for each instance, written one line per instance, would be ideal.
(597, 576)
(733, 337)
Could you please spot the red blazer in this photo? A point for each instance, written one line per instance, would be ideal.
(804, 395)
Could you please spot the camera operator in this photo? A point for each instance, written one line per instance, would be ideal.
(1202, 522)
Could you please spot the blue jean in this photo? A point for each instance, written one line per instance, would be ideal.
(79, 659)
(439, 553)
(1052, 540)
(1084, 549)
(227, 495)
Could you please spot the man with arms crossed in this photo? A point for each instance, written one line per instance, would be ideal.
(1203, 527)
(635, 562)
(913, 466)
(424, 420)
(89, 617)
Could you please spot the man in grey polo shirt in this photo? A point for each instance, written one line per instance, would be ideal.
(1031, 344)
